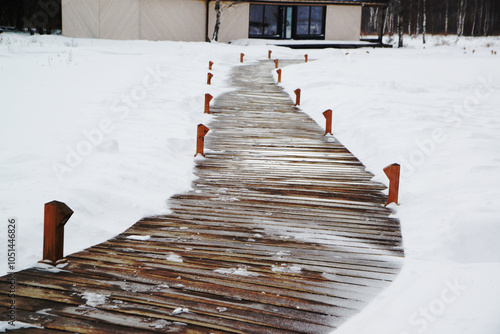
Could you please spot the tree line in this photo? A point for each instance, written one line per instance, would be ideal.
(42, 16)
(415, 17)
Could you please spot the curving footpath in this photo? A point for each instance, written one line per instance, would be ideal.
(283, 232)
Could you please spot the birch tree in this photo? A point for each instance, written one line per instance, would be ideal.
(462, 11)
(219, 9)
(215, 36)
(424, 20)
(474, 15)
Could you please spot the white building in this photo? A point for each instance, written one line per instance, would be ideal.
(194, 20)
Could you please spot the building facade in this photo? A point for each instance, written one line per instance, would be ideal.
(194, 20)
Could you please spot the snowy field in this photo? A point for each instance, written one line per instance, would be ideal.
(108, 127)
(436, 111)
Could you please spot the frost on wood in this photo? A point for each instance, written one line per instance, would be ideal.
(94, 299)
(235, 271)
(139, 237)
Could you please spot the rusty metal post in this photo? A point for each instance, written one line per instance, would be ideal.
(208, 98)
(210, 63)
(55, 217)
(209, 78)
(328, 116)
(269, 54)
(279, 75)
(276, 62)
(392, 173)
(297, 96)
(200, 143)
(241, 57)
(306, 56)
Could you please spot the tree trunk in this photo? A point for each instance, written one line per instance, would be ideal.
(410, 7)
(464, 14)
(461, 17)
(480, 25)
(370, 23)
(474, 16)
(446, 17)
(217, 21)
(417, 30)
(486, 18)
(382, 24)
(492, 11)
(400, 27)
(424, 22)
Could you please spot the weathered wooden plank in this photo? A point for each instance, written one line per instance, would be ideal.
(174, 297)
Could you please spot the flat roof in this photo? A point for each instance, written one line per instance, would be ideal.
(324, 2)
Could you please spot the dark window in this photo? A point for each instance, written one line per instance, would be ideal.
(303, 20)
(300, 22)
(316, 21)
(310, 21)
(264, 21)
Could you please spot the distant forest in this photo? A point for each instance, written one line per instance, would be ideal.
(456, 17)
(460, 17)
(44, 16)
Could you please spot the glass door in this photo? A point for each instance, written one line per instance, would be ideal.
(287, 22)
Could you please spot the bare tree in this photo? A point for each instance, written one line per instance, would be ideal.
(489, 16)
(463, 17)
(462, 11)
(474, 17)
(219, 8)
(424, 20)
(215, 36)
(399, 10)
(417, 31)
(481, 17)
(446, 17)
(410, 4)
(395, 13)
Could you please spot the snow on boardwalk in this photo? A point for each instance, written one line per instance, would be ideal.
(283, 232)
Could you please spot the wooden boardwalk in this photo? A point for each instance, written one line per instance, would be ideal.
(283, 232)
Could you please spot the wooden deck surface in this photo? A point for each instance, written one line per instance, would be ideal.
(283, 232)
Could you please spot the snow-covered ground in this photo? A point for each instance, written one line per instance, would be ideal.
(435, 110)
(108, 127)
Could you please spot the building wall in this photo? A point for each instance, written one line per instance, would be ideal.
(234, 24)
(175, 20)
(80, 18)
(343, 23)
(119, 19)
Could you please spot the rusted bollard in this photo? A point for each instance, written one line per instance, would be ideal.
(306, 56)
(269, 54)
(276, 62)
(55, 217)
(297, 96)
(208, 98)
(241, 57)
(392, 172)
(200, 143)
(209, 78)
(328, 116)
(210, 64)
(279, 75)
